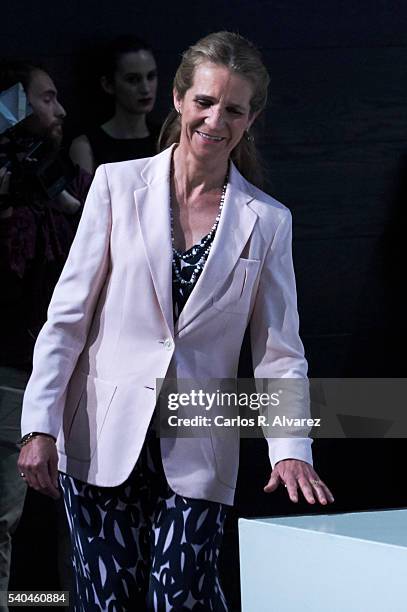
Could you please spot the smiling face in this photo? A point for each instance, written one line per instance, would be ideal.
(215, 112)
(134, 83)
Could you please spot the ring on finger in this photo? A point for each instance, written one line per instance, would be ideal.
(316, 483)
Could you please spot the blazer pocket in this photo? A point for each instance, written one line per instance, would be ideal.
(235, 294)
(85, 414)
(225, 448)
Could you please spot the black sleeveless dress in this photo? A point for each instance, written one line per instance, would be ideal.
(107, 149)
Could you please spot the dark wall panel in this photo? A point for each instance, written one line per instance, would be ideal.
(277, 24)
(334, 276)
(336, 190)
(337, 94)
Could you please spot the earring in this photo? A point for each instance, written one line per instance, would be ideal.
(179, 111)
(248, 136)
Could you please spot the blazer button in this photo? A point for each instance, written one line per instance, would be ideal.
(168, 344)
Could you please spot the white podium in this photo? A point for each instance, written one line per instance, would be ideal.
(325, 563)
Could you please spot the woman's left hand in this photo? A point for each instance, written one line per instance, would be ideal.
(294, 473)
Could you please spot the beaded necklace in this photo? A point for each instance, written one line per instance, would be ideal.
(206, 241)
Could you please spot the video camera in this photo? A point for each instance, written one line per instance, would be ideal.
(36, 174)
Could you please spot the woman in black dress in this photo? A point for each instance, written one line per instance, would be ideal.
(129, 75)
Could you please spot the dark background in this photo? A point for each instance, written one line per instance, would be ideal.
(334, 141)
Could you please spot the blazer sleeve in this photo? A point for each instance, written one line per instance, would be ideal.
(70, 313)
(277, 350)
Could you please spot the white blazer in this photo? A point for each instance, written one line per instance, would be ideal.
(110, 332)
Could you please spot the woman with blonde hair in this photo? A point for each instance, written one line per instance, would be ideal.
(174, 257)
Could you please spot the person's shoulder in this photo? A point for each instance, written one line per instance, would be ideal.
(81, 139)
(269, 201)
(128, 171)
(264, 204)
(130, 165)
(78, 145)
(81, 153)
(90, 139)
(133, 170)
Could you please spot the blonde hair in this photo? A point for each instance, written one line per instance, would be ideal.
(240, 56)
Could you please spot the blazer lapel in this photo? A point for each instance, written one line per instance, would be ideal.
(153, 209)
(234, 229)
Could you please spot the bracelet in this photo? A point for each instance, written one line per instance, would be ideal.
(33, 434)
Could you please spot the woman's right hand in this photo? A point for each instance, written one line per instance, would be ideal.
(38, 465)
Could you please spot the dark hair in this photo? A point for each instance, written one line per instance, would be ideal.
(16, 71)
(241, 56)
(118, 47)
